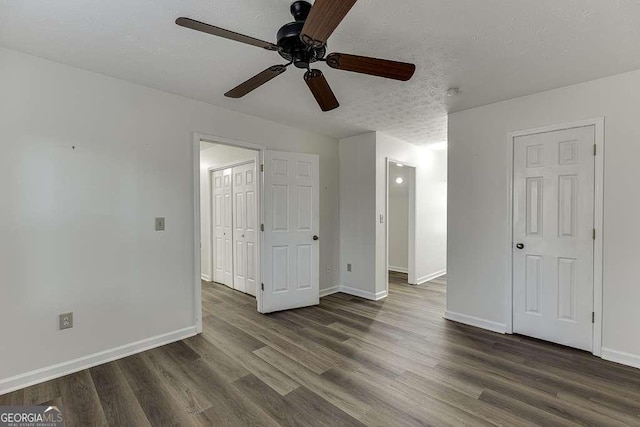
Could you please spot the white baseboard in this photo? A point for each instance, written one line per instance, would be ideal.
(381, 295)
(399, 269)
(205, 277)
(429, 277)
(621, 357)
(37, 376)
(329, 291)
(362, 294)
(500, 328)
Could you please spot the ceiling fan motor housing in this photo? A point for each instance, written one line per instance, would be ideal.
(292, 47)
(300, 10)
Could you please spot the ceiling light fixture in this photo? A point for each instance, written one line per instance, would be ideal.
(399, 180)
(399, 165)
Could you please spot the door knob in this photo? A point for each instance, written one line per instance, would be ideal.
(520, 246)
(316, 238)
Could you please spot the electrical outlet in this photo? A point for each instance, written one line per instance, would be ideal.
(66, 321)
(159, 224)
(349, 267)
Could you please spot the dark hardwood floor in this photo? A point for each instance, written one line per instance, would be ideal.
(348, 361)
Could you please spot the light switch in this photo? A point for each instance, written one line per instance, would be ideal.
(159, 224)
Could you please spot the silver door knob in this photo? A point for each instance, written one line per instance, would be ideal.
(520, 246)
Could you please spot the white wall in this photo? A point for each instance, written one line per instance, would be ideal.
(358, 212)
(77, 225)
(398, 217)
(431, 206)
(212, 157)
(478, 221)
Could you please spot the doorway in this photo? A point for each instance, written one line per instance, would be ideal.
(401, 207)
(229, 215)
(556, 234)
(257, 222)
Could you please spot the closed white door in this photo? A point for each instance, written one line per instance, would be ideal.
(223, 231)
(244, 228)
(218, 229)
(291, 235)
(553, 250)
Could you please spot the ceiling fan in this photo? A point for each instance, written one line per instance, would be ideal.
(304, 42)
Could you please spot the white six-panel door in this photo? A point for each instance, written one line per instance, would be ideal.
(553, 253)
(290, 239)
(218, 231)
(245, 226)
(223, 232)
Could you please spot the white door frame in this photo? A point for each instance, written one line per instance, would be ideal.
(599, 130)
(212, 231)
(412, 276)
(197, 137)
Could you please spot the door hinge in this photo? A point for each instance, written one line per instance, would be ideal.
(594, 234)
(595, 149)
(593, 317)
(262, 227)
(262, 286)
(262, 167)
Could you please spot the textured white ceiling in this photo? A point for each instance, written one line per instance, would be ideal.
(491, 49)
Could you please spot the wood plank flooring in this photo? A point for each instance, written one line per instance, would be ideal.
(347, 362)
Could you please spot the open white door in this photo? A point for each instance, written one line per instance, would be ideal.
(291, 259)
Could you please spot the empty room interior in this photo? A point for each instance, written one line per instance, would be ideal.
(329, 212)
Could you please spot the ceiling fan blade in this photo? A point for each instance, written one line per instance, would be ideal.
(256, 81)
(221, 32)
(324, 18)
(372, 66)
(321, 90)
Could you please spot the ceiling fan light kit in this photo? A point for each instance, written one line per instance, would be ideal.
(303, 43)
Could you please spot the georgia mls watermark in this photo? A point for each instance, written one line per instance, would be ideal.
(31, 416)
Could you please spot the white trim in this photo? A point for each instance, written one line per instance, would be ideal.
(226, 141)
(381, 295)
(260, 243)
(197, 137)
(432, 276)
(363, 294)
(628, 359)
(599, 132)
(489, 325)
(411, 270)
(231, 165)
(205, 277)
(329, 291)
(38, 376)
(598, 254)
(197, 237)
(399, 269)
